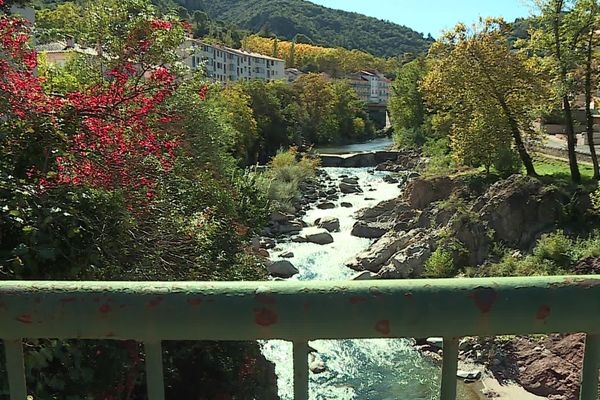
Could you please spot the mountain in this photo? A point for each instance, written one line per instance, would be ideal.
(315, 24)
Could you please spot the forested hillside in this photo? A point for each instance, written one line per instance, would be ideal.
(315, 24)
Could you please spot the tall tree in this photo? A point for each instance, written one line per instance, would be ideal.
(558, 35)
(475, 72)
(588, 12)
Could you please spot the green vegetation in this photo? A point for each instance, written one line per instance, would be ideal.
(554, 254)
(313, 24)
(287, 171)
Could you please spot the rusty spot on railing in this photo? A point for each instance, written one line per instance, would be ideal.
(375, 291)
(306, 307)
(25, 318)
(543, 312)
(195, 302)
(484, 298)
(155, 302)
(265, 317)
(358, 299)
(383, 327)
(105, 309)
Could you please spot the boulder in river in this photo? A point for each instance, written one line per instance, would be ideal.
(318, 236)
(347, 188)
(326, 206)
(287, 254)
(364, 276)
(282, 269)
(330, 223)
(369, 230)
(346, 205)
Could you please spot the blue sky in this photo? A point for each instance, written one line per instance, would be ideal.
(432, 16)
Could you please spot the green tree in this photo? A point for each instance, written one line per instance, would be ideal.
(407, 106)
(558, 33)
(474, 71)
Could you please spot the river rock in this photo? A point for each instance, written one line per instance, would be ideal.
(371, 230)
(316, 365)
(282, 269)
(280, 217)
(346, 205)
(290, 227)
(380, 252)
(364, 276)
(287, 254)
(348, 188)
(422, 192)
(390, 179)
(326, 206)
(350, 180)
(267, 243)
(318, 236)
(330, 223)
(407, 263)
(468, 374)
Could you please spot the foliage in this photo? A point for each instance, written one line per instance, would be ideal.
(128, 174)
(334, 61)
(409, 115)
(486, 90)
(508, 162)
(289, 19)
(287, 171)
(440, 264)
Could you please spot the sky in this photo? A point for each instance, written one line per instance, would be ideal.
(432, 16)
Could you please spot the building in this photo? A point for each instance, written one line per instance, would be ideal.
(225, 64)
(58, 53)
(292, 74)
(371, 86)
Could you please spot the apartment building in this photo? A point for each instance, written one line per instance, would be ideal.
(226, 64)
(371, 86)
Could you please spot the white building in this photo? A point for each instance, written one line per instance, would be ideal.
(60, 52)
(371, 86)
(225, 64)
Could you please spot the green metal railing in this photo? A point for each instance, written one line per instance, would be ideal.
(299, 312)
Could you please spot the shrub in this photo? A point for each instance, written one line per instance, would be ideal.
(440, 264)
(508, 162)
(555, 247)
(440, 161)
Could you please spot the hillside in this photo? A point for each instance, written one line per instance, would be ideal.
(315, 24)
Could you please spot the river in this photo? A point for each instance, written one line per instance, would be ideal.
(356, 369)
(372, 145)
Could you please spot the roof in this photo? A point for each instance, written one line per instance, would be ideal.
(61, 46)
(237, 51)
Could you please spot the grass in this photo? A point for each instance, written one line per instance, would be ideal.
(556, 171)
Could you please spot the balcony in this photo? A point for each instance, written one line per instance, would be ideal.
(151, 312)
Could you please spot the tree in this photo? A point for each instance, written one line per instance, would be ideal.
(317, 97)
(557, 35)
(475, 72)
(407, 106)
(587, 12)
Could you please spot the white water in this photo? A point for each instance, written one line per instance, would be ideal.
(356, 369)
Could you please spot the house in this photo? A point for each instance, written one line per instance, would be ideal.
(58, 53)
(225, 64)
(371, 86)
(292, 74)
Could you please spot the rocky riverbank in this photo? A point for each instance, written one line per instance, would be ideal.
(467, 217)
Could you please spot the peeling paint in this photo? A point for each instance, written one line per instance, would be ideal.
(543, 312)
(195, 301)
(265, 317)
(358, 299)
(484, 298)
(383, 327)
(25, 318)
(105, 308)
(155, 302)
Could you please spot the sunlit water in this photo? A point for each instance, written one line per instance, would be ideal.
(356, 369)
(373, 145)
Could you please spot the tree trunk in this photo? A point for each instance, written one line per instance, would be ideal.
(571, 140)
(516, 134)
(588, 103)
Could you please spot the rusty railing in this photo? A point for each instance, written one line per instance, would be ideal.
(299, 312)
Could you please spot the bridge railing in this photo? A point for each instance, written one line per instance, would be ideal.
(299, 312)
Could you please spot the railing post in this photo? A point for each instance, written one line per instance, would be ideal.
(449, 369)
(591, 364)
(154, 371)
(15, 366)
(300, 370)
